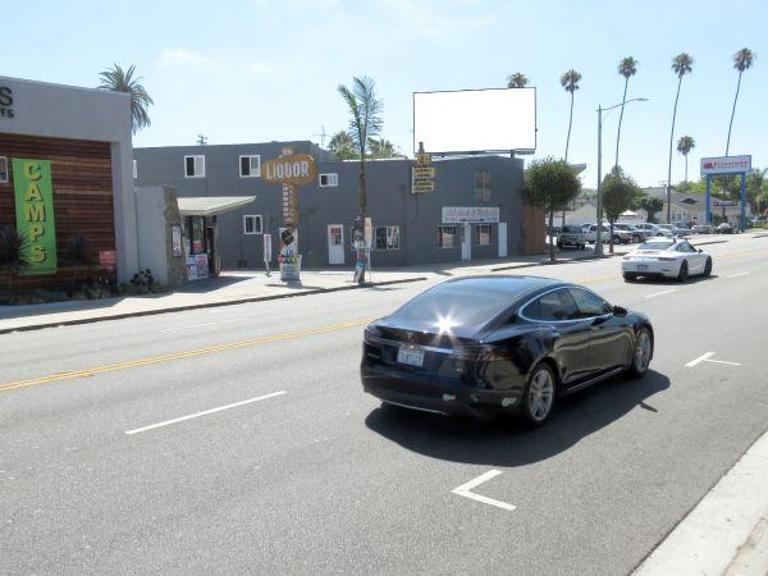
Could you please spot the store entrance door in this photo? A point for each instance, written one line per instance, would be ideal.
(335, 244)
(214, 263)
(466, 241)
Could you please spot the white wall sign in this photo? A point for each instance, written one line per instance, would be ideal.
(470, 215)
(726, 165)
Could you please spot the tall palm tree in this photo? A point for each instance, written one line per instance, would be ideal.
(365, 110)
(682, 64)
(742, 60)
(517, 80)
(627, 68)
(342, 144)
(118, 80)
(383, 148)
(684, 145)
(570, 81)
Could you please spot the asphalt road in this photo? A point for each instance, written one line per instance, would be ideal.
(238, 440)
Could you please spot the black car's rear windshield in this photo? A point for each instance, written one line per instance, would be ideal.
(468, 304)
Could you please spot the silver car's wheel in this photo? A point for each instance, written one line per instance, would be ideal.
(540, 395)
(643, 352)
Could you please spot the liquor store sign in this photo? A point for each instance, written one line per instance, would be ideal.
(34, 214)
(296, 170)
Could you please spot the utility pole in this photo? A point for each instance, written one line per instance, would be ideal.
(322, 136)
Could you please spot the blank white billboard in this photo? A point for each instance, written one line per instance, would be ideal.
(489, 120)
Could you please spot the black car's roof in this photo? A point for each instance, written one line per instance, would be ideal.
(516, 287)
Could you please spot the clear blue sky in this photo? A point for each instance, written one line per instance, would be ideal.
(258, 70)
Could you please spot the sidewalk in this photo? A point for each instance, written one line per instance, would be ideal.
(237, 287)
(727, 532)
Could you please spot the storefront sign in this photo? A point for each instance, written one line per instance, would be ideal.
(296, 169)
(470, 215)
(290, 204)
(423, 179)
(34, 213)
(289, 258)
(6, 102)
(176, 240)
(108, 259)
(726, 165)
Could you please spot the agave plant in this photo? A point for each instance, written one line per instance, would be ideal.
(14, 248)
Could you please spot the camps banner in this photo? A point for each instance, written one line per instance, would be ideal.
(34, 213)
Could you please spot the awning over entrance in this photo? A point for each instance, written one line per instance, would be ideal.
(212, 205)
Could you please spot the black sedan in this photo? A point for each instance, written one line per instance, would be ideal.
(502, 344)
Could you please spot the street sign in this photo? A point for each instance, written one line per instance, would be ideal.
(423, 179)
(296, 169)
(420, 172)
(423, 186)
(726, 165)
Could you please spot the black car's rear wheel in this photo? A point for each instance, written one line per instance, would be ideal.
(539, 397)
(642, 353)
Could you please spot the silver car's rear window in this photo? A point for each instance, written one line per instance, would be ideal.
(654, 246)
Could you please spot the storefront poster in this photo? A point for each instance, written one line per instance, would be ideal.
(289, 259)
(34, 214)
(176, 240)
(201, 262)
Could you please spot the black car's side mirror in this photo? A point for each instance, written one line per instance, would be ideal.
(619, 311)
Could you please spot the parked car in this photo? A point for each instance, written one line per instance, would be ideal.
(635, 235)
(702, 229)
(666, 257)
(682, 231)
(585, 228)
(497, 345)
(724, 228)
(619, 236)
(650, 229)
(667, 230)
(572, 236)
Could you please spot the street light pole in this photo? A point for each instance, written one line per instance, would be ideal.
(600, 110)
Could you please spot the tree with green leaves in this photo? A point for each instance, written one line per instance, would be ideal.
(342, 144)
(517, 80)
(550, 185)
(684, 145)
(365, 110)
(617, 192)
(757, 187)
(652, 206)
(383, 148)
(116, 79)
(742, 61)
(627, 68)
(682, 64)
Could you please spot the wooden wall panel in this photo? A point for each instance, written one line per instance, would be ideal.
(83, 200)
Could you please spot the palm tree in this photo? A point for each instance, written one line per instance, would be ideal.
(517, 80)
(681, 65)
(742, 60)
(383, 148)
(570, 81)
(627, 68)
(342, 144)
(365, 122)
(684, 145)
(118, 80)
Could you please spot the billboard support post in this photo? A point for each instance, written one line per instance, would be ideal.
(728, 165)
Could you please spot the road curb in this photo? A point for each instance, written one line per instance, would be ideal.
(548, 263)
(94, 319)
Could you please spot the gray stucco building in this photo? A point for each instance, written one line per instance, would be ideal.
(476, 210)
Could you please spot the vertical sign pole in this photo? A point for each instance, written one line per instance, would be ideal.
(743, 203)
(708, 200)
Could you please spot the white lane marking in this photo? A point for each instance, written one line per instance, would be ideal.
(204, 413)
(739, 275)
(660, 293)
(701, 358)
(465, 490)
(723, 362)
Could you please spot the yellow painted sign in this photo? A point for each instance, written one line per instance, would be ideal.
(296, 169)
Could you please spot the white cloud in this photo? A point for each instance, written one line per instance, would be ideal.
(438, 19)
(180, 57)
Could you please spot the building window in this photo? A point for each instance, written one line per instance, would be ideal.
(252, 224)
(3, 170)
(388, 238)
(250, 166)
(194, 166)
(328, 180)
(446, 236)
(483, 234)
(135, 170)
(482, 186)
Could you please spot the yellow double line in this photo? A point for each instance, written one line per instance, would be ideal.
(162, 358)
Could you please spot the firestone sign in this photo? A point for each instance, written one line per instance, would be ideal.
(726, 165)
